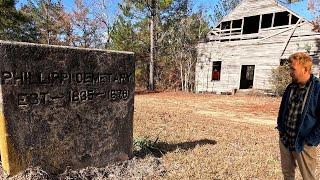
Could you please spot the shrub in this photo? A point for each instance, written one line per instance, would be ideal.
(280, 78)
(143, 146)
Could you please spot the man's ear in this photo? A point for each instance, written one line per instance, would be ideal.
(305, 69)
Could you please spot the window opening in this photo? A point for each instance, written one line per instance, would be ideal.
(251, 24)
(281, 19)
(236, 39)
(294, 19)
(225, 25)
(216, 70)
(237, 23)
(266, 20)
(224, 40)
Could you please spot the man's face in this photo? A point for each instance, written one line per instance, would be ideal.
(297, 72)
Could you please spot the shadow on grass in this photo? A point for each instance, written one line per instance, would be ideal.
(159, 149)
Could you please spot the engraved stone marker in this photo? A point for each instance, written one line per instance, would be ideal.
(63, 106)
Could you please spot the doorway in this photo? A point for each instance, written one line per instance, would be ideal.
(247, 76)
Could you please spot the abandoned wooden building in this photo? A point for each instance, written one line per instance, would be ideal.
(256, 37)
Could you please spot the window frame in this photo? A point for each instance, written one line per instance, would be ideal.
(217, 64)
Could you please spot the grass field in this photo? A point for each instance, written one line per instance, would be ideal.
(216, 136)
(212, 136)
(201, 136)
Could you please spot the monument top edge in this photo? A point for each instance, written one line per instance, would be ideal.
(63, 47)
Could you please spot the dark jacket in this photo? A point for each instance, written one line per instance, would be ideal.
(309, 121)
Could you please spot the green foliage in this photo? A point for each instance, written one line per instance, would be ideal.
(142, 8)
(280, 78)
(15, 25)
(184, 29)
(178, 32)
(123, 35)
(165, 3)
(143, 146)
(126, 36)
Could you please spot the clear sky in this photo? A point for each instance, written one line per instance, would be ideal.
(300, 7)
(113, 3)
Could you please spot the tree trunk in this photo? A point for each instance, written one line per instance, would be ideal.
(189, 73)
(181, 74)
(185, 81)
(152, 43)
(47, 7)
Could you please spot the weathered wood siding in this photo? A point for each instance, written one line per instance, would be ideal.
(263, 53)
(252, 8)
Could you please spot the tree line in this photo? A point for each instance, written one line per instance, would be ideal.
(162, 33)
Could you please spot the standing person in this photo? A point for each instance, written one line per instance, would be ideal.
(299, 119)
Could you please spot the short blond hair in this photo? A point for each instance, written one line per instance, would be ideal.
(302, 58)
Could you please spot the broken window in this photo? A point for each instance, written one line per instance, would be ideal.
(251, 24)
(281, 19)
(216, 70)
(266, 21)
(294, 19)
(237, 23)
(225, 25)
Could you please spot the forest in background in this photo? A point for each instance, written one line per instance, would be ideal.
(163, 34)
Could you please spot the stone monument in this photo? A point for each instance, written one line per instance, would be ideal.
(64, 107)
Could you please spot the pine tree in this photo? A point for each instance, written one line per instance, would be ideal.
(14, 25)
(178, 32)
(142, 11)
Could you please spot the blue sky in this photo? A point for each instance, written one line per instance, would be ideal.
(300, 7)
(113, 3)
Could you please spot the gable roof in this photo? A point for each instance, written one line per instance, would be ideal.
(256, 7)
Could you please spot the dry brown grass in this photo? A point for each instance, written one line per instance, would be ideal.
(202, 136)
(242, 129)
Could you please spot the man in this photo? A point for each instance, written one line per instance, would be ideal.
(299, 119)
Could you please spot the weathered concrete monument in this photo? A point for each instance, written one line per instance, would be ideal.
(64, 107)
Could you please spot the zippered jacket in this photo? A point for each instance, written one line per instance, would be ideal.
(309, 121)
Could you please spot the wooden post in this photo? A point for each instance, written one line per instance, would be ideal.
(260, 21)
(230, 30)
(272, 23)
(290, 16)
(242, 26)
